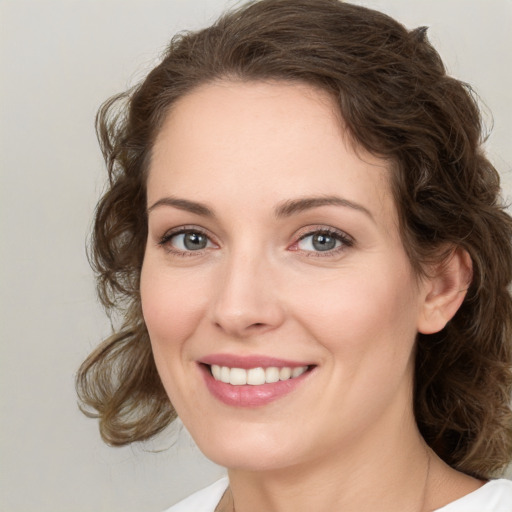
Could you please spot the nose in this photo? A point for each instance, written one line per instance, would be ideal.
(247, 300)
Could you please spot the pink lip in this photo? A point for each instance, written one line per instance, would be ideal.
(249, 396)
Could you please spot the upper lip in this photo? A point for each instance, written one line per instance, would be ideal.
(252, 361)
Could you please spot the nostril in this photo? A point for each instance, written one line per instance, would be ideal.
(258, 326)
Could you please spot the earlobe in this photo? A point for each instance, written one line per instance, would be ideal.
(445, 291)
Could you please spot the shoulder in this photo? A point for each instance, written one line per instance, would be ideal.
(494, 496)
(204, 500)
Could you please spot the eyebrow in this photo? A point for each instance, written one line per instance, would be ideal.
(183, 204)
(285, 209)
(295, 206)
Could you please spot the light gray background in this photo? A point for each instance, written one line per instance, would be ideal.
(59, 59)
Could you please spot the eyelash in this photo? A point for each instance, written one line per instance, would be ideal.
(165, 240)
(345, 241)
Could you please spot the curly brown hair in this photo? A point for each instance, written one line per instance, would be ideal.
(397, 102)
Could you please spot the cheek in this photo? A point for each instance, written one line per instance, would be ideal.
(367, 329)
(361, 312)
(172, 312)
(171, 308)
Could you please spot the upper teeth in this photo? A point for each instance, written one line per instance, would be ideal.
(255, 376)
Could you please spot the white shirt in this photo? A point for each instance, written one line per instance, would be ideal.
(494, 496)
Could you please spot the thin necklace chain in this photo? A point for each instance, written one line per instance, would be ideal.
(228, 501)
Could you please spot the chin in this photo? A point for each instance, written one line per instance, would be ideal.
(249, 460)
(256, 451)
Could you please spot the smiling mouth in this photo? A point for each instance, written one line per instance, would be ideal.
(255, 376)
(254, 381)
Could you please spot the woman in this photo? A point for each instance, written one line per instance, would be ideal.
(307, 245)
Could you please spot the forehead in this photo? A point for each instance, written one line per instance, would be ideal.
(258, 143)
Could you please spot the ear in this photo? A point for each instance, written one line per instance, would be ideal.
(445, 289)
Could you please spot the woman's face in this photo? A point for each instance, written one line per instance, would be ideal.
(274, 251)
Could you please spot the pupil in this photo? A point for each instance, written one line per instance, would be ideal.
(194, 241)
(323, 242)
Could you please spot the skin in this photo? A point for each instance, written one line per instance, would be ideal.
(243, 150)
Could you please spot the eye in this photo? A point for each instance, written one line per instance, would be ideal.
(186, 240)
(318, 242)
(327, 241)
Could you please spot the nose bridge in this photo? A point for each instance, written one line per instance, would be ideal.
(246, 301)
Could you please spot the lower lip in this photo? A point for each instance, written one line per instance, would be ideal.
(250, 396)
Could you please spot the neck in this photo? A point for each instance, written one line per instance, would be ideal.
(367, 476)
